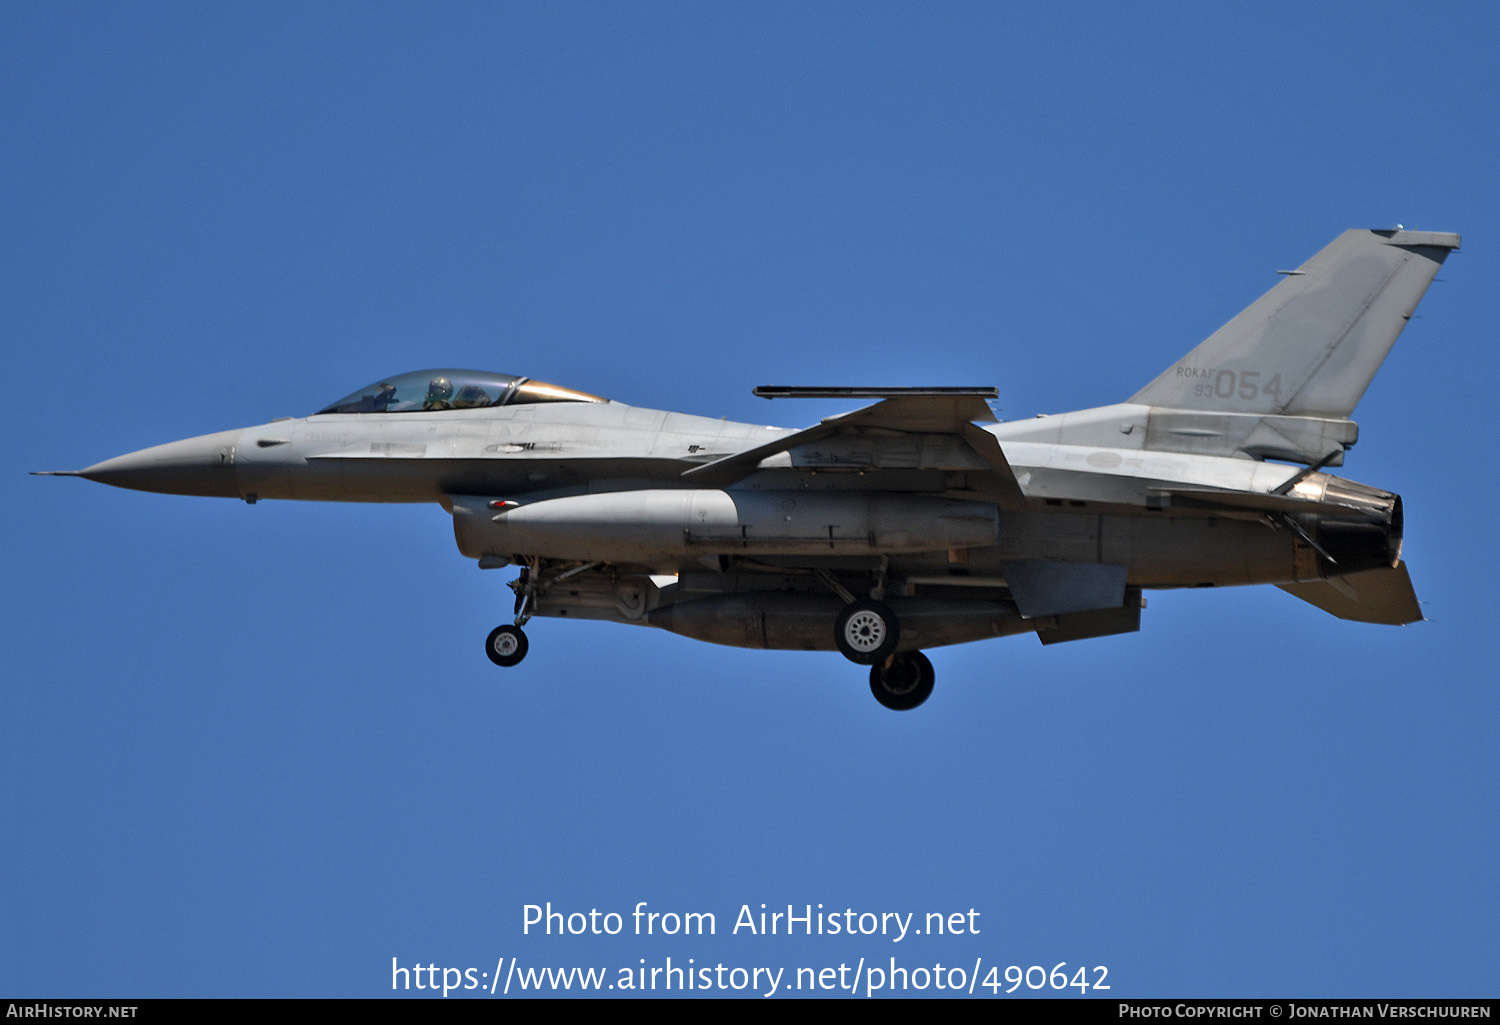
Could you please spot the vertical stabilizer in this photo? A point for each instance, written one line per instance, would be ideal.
(1310, 346)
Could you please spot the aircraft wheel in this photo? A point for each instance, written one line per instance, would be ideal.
(506, 645)
(866, 632)
(902, 681)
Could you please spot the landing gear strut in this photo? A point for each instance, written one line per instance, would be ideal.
(902, 681)
(506, 645)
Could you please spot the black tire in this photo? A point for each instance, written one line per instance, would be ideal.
(506, 645)
(902, 682)
(866, 632)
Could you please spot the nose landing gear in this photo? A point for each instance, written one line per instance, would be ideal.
(506, 645)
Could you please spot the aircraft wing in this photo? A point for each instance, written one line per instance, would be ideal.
(902, 417)
(1382, 595)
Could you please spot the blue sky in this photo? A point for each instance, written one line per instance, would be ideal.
(258, 751)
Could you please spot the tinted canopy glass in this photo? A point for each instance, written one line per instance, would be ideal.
(432, 390)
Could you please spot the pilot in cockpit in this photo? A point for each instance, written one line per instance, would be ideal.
(439, 394)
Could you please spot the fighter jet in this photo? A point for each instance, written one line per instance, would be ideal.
(912, 522)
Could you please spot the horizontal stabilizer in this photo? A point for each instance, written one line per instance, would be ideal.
(1382, 595)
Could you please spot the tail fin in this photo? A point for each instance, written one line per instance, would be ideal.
(1311, 345)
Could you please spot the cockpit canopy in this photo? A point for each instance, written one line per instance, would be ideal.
(431, 390)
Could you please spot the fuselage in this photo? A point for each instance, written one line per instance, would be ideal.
(1088, 503)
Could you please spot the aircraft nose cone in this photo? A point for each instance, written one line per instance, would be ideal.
(193, 466)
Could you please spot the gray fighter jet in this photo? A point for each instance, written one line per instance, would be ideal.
(904, 524)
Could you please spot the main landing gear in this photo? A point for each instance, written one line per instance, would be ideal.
(902, 681)
(867, 633)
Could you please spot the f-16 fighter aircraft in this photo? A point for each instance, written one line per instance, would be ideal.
(901, 525)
